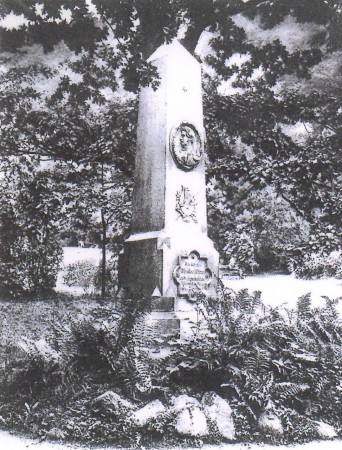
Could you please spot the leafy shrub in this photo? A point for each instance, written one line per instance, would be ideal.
(260, 359)
(317, 265)
(81, 274)
(30, 253)
(241, 247)
(258, 228)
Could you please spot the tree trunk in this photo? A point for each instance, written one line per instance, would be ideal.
(103, 262)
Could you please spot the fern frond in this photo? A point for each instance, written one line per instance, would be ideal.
(289, 389)
(304, 306)
(258, 361)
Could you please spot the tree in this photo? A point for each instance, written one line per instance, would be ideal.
(92, 171)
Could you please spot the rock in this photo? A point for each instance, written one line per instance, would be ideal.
(269, 421)
(219, 412)
(111, 401)
(190, 419)
(325, 430)
(183, 401)
(191, 422)
(150, 411)
(55, 433)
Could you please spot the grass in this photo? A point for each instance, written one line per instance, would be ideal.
(36, 319)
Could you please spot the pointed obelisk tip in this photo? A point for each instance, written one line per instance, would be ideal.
(174, 48)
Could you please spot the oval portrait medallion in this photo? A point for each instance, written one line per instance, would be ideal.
(186, 146)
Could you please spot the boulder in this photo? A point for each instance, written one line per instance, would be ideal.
(184, 401)
(150, 411)
(325, 430)
(190, 420)
(219, 412)
(270, 422)
(110, 401)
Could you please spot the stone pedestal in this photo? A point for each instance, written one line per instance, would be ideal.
(169, 258)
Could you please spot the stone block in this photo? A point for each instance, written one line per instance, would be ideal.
(325, 430)
(164, 324)
(113, 403)
(163, 304)
(270, 422)
(141, 266)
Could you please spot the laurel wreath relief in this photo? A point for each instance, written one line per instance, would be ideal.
(186, 205)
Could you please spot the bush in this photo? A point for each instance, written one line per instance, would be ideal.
(317, 265)
(30, 253)
(81, 274)
(257, 228)
(241, 247)
(263, 359)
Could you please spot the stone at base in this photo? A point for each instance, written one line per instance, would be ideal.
(152, 410)
(190, 419)
(325, 430)
(163, 304)
(270, 422)
(164, 324)
(219, 412)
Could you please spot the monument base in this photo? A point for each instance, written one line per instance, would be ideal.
(169, 275)
(168, 265)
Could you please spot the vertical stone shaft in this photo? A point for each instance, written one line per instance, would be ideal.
(169, 202)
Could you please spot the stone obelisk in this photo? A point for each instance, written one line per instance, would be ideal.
(168, 256)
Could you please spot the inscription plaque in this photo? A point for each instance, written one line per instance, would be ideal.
(192, 275)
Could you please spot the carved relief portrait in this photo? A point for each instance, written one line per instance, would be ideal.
(186, 146)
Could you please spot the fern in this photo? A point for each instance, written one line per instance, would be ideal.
(258, 361)
(289, 389)
(131, 366)
(304, 307)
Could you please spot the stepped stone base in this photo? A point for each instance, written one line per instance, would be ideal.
(180, 324)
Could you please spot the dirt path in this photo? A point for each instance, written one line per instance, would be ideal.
(12, 442)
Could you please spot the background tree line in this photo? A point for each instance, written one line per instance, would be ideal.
(70, 74)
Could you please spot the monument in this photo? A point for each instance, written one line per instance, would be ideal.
(169, 260)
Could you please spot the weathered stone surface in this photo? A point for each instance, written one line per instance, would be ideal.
(150, 411)
(325, 430)
(184, 401)
(270, 422)
(191, 422)
(219, 412)
(190, 419)
(111, 401)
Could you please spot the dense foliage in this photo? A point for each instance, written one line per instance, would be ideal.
(30, 253)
